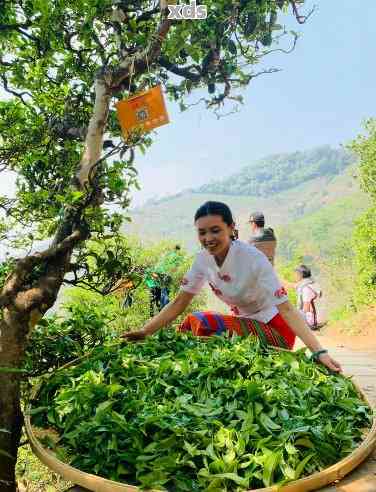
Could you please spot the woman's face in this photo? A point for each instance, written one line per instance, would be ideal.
(298, 276)
(214, 234)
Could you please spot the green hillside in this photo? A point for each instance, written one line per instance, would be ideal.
(318, 234)
(280, 172)
(172, 218)
(323, 240)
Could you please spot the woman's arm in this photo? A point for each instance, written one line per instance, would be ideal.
(168, 314)
(300, 328)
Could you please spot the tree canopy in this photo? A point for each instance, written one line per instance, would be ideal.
(364, 239)
(64, 65)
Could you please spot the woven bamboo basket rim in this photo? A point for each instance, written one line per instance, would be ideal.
(309, 483)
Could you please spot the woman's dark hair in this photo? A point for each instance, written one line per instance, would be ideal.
(304, 271)
(216, 208)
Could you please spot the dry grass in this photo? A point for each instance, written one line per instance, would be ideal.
(33, 476)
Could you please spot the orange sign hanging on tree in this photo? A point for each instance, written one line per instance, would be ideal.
(142, 112)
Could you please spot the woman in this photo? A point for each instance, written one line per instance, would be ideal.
(308, 291)
(242, 277)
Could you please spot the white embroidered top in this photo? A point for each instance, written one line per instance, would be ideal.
(246, 281)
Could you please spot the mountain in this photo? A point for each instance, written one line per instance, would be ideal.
(281, 172)
(319, 233)
(286, 191)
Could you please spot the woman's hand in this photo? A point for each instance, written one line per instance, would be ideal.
(134, 336)
(168, 314)
(330, 363)
(296, 322)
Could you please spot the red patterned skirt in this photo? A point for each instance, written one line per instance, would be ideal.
(207, 323)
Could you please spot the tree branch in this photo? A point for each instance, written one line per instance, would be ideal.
(107, 83)
(68, 36)
(31, 37)
(288, 51)
(86, 284)
(147, 15)
(101, 48)
(140, 61)
(15, 93)
(301, 18)
(23, 267)
(94, 136)
(181, 71)
(14, 27)
(4, 63)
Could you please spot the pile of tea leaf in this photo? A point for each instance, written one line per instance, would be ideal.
(181, 414)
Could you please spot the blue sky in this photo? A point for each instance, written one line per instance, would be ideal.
(325, 90)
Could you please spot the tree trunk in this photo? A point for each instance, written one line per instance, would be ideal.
(19, 316)
(13, 329)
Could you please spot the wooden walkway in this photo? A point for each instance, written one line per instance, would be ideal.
(361, 365)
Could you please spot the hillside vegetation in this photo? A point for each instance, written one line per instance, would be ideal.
(320, 232)
(172, 217)
(280, 172)
(323, 240)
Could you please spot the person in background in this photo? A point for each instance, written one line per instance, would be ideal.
(263, 238)
(152, 281)
(168, 265)
(244, 280)
(308, 292)
(159, 279)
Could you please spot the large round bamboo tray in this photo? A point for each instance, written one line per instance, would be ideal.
(312, 482)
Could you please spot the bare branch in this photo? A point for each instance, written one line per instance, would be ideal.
(78, 282)
(281, 50)
(201, 100)
(263, 72)
(224, 115)
(241, 47)
(15, 93)
(301, 18)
